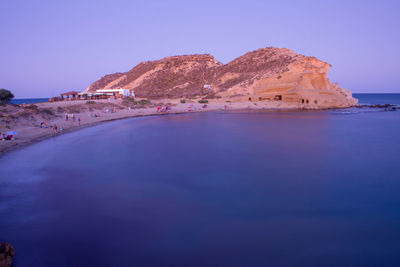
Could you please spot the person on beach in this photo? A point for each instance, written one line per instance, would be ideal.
(8, 137)
(73, 117)
(79, 121)
(66, 116)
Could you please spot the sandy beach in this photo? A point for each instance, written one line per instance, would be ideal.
(27, 120)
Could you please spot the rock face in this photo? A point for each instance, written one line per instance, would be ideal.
(267, 74)
(6, 254)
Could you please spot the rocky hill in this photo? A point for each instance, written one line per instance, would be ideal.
(267, 74)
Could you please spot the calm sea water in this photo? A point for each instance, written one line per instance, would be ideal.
(370, 99)
(29, 100)
(212, 189)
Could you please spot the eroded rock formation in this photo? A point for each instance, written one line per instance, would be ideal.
(267, 74)
(6, 254)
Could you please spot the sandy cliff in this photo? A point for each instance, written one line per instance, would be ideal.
(267, 74)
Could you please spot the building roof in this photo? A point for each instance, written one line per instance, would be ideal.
(70, 93)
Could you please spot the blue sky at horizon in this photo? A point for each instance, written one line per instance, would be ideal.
(48, 47)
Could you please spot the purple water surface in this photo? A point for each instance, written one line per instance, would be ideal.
(210, 189)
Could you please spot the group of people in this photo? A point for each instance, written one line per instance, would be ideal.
(110, 110)
(73, 117)
(54, 127)
(94, 115)
(43, 124)
(5, 136)
(69, 116)
(165, 109)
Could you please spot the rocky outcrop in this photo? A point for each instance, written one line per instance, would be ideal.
(6, 254)
(267, 74)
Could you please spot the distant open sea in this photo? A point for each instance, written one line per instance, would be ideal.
(306, 188)
(29, 100)
(371, 99)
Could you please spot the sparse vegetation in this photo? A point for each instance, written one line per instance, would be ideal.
(32, 106)
(203, 101)
(5, 95)
(140, 102)
(90, 102)
(48, 111)
(129, 101)
(60, 109)
(144, 102)
(183, 101)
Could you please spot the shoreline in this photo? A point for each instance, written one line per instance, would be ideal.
(35, 134)
(20, 145)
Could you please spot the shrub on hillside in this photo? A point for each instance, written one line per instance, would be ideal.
(203, 101)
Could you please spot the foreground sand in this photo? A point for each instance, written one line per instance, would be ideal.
(30, 131)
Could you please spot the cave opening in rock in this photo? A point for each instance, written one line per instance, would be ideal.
(307, 101)
(316, 102)
(302, 101)
(249, 98)
(278, 97)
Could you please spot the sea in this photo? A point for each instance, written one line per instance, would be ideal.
(309, 188)
(19, 101)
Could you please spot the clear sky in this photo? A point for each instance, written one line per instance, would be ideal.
(49, 46)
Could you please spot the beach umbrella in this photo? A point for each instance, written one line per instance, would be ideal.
(12, 133)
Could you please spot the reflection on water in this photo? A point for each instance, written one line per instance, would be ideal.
(212, 189)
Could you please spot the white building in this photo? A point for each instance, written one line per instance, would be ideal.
(117, 92)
